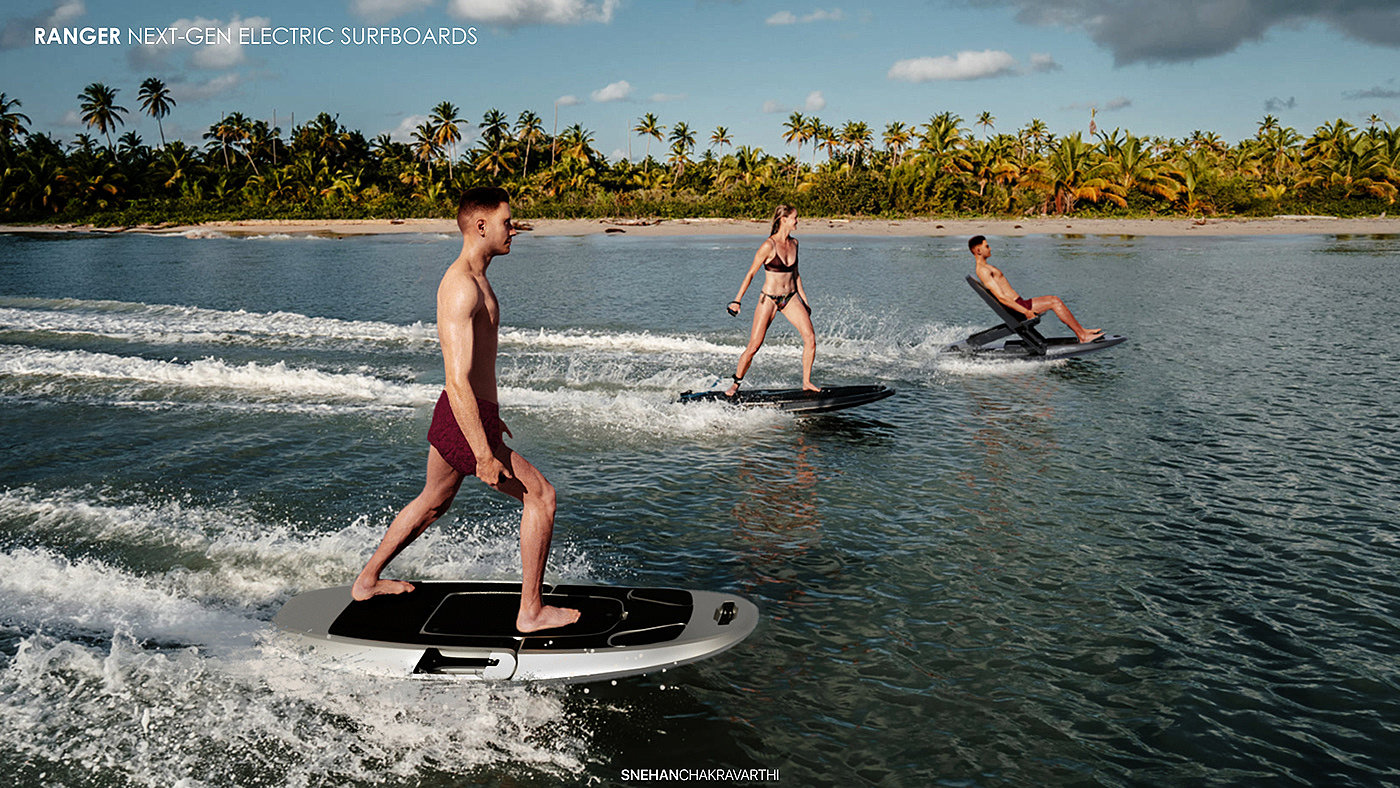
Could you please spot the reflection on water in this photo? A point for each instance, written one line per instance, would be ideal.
(1171, 562)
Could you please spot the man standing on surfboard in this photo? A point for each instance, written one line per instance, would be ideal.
(465, 438)
(995, 281)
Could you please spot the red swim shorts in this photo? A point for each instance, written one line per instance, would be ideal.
(447, 437)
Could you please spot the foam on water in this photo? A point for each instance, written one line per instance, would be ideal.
(642, 342)
(628, 416)
(229, 556)
(163, 324)
(165, 674)
(37, 373)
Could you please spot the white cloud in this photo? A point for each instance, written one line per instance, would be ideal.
(616, 91)
(819, 15)
(20, 32)
(404, 131)
(209, 88)
(963, 66)
(815, 102)
(770, 106)
(71, 118)
(1041, 63)
(384, 10)
(568, 101)
(529, 12)
(213, 56)
(663, 97)
(618, 154)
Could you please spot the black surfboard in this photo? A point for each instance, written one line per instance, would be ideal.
(467, 630)
(797, 400)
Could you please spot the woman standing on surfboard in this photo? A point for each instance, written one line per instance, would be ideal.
(782, 292)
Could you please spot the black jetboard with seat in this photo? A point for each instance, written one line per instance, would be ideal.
(467, 630)
(797, 400)
(1017, 338)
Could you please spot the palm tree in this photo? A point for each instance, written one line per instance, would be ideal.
(1072, 175)
(812, 132)
(986, 121)
(425, 146)
(496, 160)
(156, 102)
(650, 127)
(1357, 164)
(576, 143)
(11, 123)
(796, 130)
(1268, 124)
(528, 129)
(896, 138)
(446, 131)
(494, 127)
(100, 109)
(223, 133)
(1037, 133)
(682, 141)
(721, 136)
(1132, 167)
(855, 134)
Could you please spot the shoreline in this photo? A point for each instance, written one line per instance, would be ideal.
(1277, 225)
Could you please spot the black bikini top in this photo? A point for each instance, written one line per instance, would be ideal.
(777, 264)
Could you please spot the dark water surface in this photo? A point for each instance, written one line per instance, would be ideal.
(1173, 562)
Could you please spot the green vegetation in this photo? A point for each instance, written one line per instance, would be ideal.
(320, 169)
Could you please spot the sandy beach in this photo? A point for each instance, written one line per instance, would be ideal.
(1277, 225)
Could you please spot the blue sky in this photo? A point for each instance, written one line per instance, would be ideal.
(1153, 67)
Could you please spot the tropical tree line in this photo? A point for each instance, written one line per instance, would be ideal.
(246, 168)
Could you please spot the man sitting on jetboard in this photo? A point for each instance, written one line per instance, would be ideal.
(465, 438)
(995, 282)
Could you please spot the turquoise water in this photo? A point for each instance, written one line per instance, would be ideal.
(1171, 562)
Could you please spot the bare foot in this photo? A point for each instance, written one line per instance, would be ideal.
(362, 591)
(732, 390)
(811, 387)
(1091, 335)
(549, 617)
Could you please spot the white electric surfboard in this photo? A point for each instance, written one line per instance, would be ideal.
(467, 630)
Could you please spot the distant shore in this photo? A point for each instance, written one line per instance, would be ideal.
(1277, 225)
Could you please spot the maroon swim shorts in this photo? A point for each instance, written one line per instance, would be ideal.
(447, 437)
(1024, 303)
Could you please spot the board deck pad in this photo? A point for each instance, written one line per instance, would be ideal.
(797, 400)
(483, 615)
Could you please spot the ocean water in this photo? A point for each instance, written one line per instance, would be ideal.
(1173, 562)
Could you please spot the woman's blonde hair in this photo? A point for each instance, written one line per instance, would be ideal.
(782, 210)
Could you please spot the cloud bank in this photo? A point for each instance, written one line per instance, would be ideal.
(1152, 31)
(512, 13)
(962, 66)
(819, 15)
(19, 32)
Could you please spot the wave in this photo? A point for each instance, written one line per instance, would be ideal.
(164, 324)
(150, 657)
(81, 374)
(226, 557)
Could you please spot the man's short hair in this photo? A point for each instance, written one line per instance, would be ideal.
(479, 200)
(975, 241)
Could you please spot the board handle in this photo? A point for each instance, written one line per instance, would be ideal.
(434, 661)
